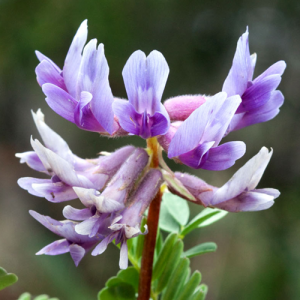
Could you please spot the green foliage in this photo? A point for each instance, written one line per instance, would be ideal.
(123, 286)
(7, 279)
(27, 296)
(200, 249)
(171, 276)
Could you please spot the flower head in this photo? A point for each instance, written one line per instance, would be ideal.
(260, 99)
(80, 92)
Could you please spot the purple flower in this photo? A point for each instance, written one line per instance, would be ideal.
(78, 245)
(196, 141)
(80, 92)
(127, 224)
(145, 79)
(114, 196)
(239, 193)
(65, 168)
(260, 99)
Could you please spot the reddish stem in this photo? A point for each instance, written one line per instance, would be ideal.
(149, 248)
(150, 238)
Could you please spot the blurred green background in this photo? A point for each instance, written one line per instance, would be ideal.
(259, 254)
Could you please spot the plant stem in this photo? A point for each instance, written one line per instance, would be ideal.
(150, 238)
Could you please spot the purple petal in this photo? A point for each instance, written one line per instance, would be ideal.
(253, 58)
(263, 113)
(128, 118)
(276, 69)
(27, 182)
(77, 253)
(93, 78)
(193, 158)
(60, 167)
(55, 192)
(259, 93)
(207, 123)
(51, 139)
(245, 179)
(60, 101)
(268, 191)
(123, 262)
(224, 156)
(55, 248)
(42, 57)
(75, 214)
(89, 226)
(84, 118)
(248, 201)
(241, 70)
(159, 122)
(91, 197)
(73, 59)
(103, 245)
(47, 73)
(32, 160)
(145, 79)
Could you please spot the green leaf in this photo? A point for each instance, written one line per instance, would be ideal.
(130, 276)
(201, 293)
(177, 207)
(171, 264)
(221, 214)
(166, 220)
(6, 279)
(163, 256)
(42, 297)
(177, 279)
(25, 296)
(159, 243)
(189, 288)
(113, 281)
(200, 249)
(196, 222)
(122, 291)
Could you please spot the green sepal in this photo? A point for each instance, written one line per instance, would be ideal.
(177, 207)
(7, 279)
(189, 288)
(177, 279)
(200, 249)
(166, 221)
(163, 256)
(122, 291)
(171, 264)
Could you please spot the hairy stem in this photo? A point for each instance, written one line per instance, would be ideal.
(150, 238)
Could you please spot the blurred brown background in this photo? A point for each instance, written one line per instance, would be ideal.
(258, 253)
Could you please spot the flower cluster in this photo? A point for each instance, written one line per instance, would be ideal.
(116, 189)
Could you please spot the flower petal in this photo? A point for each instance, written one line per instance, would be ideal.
(245, 179)
(42, 57)
(224, 156)
(32, 160)
(241, 70)
(55, 248)
(145, 79)
(75, 214)
(47, 73)
(77, 253)
(93, 78)
(73, 59)
(60, 101)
